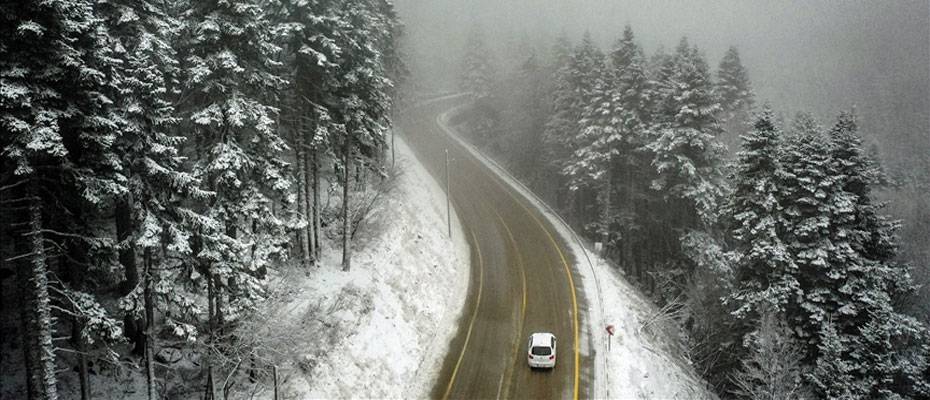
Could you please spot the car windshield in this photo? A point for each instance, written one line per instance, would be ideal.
(541, 351)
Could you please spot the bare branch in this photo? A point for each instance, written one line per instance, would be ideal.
(21, 256)
(12, 185)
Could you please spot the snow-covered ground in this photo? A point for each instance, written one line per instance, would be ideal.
(636, 367)
(388, 321)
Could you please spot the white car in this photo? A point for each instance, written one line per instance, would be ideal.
(541, 350)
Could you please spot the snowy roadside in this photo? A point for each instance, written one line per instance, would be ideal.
(634, 368)
(387, 323)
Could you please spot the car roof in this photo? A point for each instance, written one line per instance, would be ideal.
(541, 339)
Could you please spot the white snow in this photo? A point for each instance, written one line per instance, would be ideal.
(636, 367)
(395, 313)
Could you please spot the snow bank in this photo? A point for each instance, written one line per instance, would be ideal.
(635, 367)
(391, 318)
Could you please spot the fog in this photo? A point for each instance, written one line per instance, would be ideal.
(817, 56)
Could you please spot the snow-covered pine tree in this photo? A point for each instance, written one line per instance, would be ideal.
(612, 131)
(686, 151)
(597, 140)
(344, 52)
(59, 129)
(682, 250)
(312, 28)
(636, 93)
(766, 276)
(586, 82)
(153, 216)
(364, 109)
(526, 98)
(847, 275)
(479, 79)
(662, 66)
(887, 350)
(734, 91)
(231, 82)
(773, 369)
(811, 207)
(477, 76)
(561, 123)
(732, 86)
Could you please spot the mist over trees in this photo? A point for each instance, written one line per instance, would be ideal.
(778, 246)
(162, 160)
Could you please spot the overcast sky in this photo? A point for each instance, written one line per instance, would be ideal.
(816, 55)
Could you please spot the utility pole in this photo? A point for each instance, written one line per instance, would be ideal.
(274, 375)
(448, 206)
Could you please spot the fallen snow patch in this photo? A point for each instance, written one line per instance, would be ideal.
(385, 326)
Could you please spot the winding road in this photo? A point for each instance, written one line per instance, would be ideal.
(522, 277)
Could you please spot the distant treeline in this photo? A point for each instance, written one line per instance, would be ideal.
(158, 160)
(760, 238)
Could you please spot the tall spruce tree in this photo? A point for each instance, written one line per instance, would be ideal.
(586, 79)
(153, 215)
(885, 349)
(562, 121)
(526, 114)
(232, 79)
(631, 169)
(311, 104)
(836, 285)
(59, 127)
(597, 139)
(765, 272)
(732, 86)
(364, 99)
(734, 91)
(686, 150)
(477, 77)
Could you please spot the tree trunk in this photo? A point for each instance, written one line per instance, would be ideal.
(347, 167)
(149, 298)
(39, 328)
(630, 212)
(274, 377)
(209, 393)
(3, 255)
(232, 231)
(303, 239)
(317, 210)
(608, 186)
(25, 336)
(307, 182)
(71, 270)
(80, 345)
(127, 258)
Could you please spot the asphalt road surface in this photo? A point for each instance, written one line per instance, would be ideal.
(522, 278)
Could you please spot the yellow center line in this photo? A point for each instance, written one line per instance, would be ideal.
(517, 341)
(568, 272)
(571, 285)
(474, 315)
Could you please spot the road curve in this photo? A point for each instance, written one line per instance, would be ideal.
(522, 278)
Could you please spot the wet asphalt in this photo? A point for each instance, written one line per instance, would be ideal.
(521, 278)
